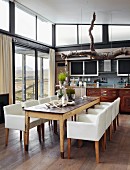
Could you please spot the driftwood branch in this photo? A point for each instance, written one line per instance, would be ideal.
(98, 55)
(92, 53)
(90, 32)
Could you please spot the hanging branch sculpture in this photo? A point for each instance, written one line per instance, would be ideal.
(90, 33)
(92, 53)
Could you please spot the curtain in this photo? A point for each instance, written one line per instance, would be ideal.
(52, 72)
(6, 66)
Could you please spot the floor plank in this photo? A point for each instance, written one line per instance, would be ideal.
(47, 155)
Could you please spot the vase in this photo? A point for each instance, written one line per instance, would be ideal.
(61, 83)
(70, 97)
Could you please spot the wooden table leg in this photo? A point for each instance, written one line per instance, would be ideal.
(27, 121)
(62, 138)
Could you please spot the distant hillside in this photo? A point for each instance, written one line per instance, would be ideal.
(27, 68)
(29, 72)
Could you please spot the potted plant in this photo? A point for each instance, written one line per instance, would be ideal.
(62, 77)
(70, 93)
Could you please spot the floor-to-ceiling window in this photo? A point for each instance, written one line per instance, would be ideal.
(24, 74)
(43, 74)
(4, 15)
(30, 75)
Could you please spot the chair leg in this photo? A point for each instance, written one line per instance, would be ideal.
(55, 126)
(114, 124)
(39, 132)
(20, 135)
(80, 143)
(66, 123)
(110, 132)
(50, 122)
(6, 136)
(97, 151)
(24, 139)
(105, 139)
(117, 120)
(42, 127)
(104, 142)
(69, 147)
(74, 117)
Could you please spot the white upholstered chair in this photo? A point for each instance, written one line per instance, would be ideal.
(54, 97)
(15, 119)
(113, 110)
(117, 110)
(89, 127)
(30, 103)
(44, 100)
(34, 103)
(109, 108)
(115, 113)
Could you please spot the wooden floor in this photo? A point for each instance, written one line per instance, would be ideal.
(47, 156)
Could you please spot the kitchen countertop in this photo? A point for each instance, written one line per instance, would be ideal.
(108, 87)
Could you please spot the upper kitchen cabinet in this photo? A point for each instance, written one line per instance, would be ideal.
(83, 68)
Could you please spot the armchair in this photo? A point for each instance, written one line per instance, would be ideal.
(34, 103)
(15, 119)
(44, 100)
(90, 128)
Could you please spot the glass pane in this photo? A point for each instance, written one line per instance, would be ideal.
(18, 77)
(25, 24)
(24, 74)
(30, 75)
(4, 15)
(44, 32)
(43, 74)
(84, 34)
(66, 34)
(117, 33)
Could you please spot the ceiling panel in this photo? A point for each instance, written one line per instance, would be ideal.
(80, 11)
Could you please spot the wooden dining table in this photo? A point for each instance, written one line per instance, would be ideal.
(61, 114)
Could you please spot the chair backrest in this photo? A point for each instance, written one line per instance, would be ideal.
(44, 100)
(101, 123)
(114, 103)
(109, 115)
(100, 106)
(94, 111)
(54, 97)
(31, 103)
(117, 105)
(13, 109)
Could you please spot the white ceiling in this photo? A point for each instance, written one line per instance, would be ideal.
(81, 11)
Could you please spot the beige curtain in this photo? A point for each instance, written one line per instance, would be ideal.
(6, 66)
(52, 72)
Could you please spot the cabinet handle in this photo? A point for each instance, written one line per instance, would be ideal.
(104, 94)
